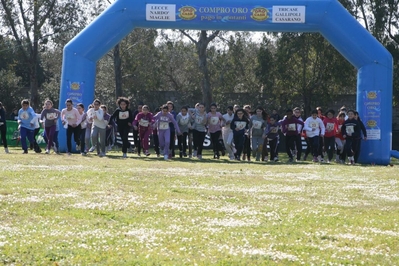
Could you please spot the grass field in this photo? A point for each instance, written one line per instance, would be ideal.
(74, 210)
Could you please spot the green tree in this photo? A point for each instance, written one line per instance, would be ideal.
(34, 24)
(305, 70)
(201, 45)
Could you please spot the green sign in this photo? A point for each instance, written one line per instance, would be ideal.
(13, 139)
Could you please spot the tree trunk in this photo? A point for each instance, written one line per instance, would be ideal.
(34, 92)
(118, 71)
(202, 46)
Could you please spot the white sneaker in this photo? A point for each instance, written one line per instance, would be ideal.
(195, 154)
(55, 149)
(266, 159)
(92, 148)
(124, 155)
(6, 150)
(320, 159)
(47, 151)
(166, 157)
(101, 154)
(77, 147)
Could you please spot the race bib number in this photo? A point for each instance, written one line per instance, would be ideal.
(313, 125)
(214, 120)
(144, 123)
(241, 125)
(330, 126)
(199, 119)
(24, 115)
(69, 116)
(274, 130)
(350, 129)
(183, 121)
(163, 125)
(257, 124)
(124, 115)
(51, 116)
(291, 127)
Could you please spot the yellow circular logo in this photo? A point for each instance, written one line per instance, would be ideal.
(372, 123)
(371, 95)
(75, 86)
(260, 14)
(187, 13)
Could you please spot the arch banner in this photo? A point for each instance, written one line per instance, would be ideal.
(327, 17)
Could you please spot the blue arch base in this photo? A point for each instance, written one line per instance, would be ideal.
(328, 17)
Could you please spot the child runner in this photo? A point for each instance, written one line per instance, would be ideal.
(339, 139)
(3, 127)
(99, 127)
(26, 117)
(351, 132)
(155, 135)
(227, 133)
(291, 127)
(359, 139)
(247, 142)
(37, 123)
(123, 117)
(239, 125)
(88, 132)
(271, 135)
(109, 130)
(50, 116)
(164, 118)
(83, 125)
(143, 122)
(199, 122)
(72, 118)
(298, 141)
(183, 121)
(215, 129)
(314, 130)
(257, 126)
(331, 125)
(136, 138)
(171, 107)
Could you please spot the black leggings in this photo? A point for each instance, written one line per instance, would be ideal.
(3, 131)
(199, 137)
(215, 142)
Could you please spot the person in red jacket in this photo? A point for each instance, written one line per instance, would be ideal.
(331, 125)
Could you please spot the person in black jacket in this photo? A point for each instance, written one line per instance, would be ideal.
(123, 117)
(239, 125)
(351, 132)
(359, 139)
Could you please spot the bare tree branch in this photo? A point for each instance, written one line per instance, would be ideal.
(188, 36)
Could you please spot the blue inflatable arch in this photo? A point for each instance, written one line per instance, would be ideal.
(328, 17)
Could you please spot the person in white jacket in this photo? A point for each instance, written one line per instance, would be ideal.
(315, 130)
(99, 127)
